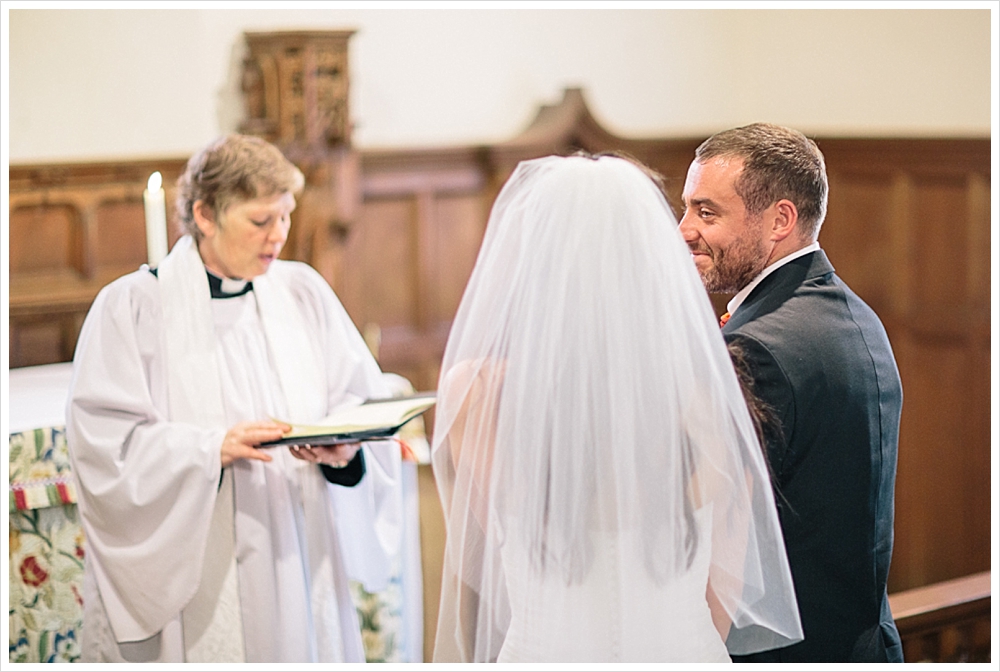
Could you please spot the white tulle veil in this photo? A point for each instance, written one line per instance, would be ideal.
(586, 386)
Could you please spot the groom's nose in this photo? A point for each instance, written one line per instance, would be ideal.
(687, 228)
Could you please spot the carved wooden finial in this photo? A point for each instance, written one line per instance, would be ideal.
(295, 86)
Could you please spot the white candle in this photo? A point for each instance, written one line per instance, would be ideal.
(156, 219)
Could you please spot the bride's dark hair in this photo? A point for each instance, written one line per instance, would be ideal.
(654, 176)
(765, 419)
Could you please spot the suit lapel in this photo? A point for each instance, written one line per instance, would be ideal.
(778, 287)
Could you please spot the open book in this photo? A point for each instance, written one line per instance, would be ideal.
(373, 420)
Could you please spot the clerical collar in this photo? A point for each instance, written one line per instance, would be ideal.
(221, 288)
(227, 288)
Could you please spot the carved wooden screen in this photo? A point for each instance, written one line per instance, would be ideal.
(295, 87)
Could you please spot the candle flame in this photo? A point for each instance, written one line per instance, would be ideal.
(155, 181)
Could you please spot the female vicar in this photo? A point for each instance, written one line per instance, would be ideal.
(201, 545)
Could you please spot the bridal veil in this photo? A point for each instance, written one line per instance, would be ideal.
(586, 391)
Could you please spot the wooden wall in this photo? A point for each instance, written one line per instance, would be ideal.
(422, 219)
(908, 228)
(73, 229)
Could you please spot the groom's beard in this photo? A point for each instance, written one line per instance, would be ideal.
(735, 266)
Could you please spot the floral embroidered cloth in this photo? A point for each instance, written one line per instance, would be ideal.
(46, 550)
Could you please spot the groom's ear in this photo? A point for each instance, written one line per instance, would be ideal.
(780, 219)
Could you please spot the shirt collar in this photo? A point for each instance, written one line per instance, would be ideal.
(741, 296)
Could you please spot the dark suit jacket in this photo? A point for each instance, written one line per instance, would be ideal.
(820, 357)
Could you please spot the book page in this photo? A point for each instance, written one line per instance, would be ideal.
(370, 416)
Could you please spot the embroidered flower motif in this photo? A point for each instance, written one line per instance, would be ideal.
(65, 649)
(32, 573)
(20, 650)
(380, 618)
(39, 471)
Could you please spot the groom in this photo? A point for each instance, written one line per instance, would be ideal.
(755, 198)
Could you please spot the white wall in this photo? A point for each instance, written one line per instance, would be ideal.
(153, 82)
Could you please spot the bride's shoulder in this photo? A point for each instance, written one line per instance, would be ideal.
(472, 375)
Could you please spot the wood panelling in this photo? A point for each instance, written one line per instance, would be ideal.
(117, 246)
(48, 238)
(927, 497)
(908, 229)
(73, 229)
(411, 250)
(863, 249)
(381, 284)
(456, 237)
(938, 274)
(45, 339)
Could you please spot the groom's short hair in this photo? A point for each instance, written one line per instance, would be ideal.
(778, 163)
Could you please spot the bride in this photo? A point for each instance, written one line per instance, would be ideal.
(604, 491)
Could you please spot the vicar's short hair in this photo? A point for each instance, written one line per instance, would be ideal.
(778, 163)
(232, 169)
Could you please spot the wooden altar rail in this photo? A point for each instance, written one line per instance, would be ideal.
(945, 622)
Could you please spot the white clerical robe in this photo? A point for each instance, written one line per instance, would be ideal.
(185, 565)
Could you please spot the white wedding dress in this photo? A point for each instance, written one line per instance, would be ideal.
(605, 619)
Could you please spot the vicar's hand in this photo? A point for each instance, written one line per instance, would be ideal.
(335, 456)
(242, 438)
